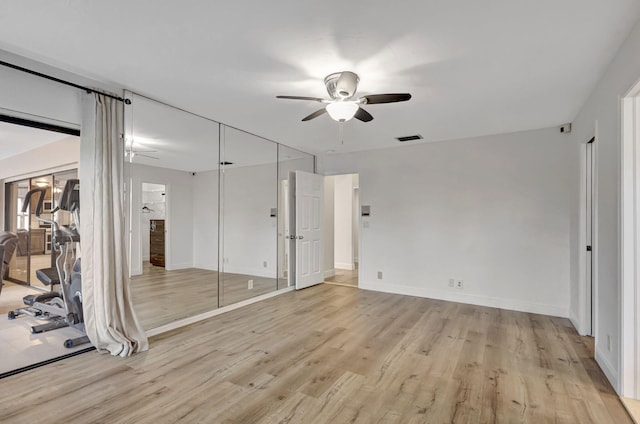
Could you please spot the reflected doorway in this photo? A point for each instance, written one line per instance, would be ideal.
(346, 228)
(153, 225)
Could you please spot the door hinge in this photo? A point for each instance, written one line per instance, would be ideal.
(589, 249)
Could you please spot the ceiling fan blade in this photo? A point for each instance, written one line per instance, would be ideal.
(385, 98)
(363, 115)
(314, 114)
(146, 156)
(313, 99)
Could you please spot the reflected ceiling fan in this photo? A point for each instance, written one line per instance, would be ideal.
(342, 106)
(130, 153)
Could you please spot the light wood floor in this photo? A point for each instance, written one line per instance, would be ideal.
(161, 297)
(344, 276)
(332, 354)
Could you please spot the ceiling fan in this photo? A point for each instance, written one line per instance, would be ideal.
(130, 152)
(133, 153)
(342, 106)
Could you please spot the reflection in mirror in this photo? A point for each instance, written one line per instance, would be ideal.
(202, 197)
(289, 160)
(172, 166)
(249, 216)
(18, 223)
(32, 158)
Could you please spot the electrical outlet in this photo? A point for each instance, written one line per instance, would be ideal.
(379, 275)
(250, 285)
(459, 284)
(452, 282)
(264, 264)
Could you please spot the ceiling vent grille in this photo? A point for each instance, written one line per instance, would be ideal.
(409, 138)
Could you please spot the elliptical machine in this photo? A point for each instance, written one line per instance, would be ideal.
(61, 308)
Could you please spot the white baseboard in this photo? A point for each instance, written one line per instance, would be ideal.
(576, 324)
(258, 272)
(453, 296)
(206, 315)
(329, 273)
(173, 267)
(343, 265)
(208, 267)
(608, 369)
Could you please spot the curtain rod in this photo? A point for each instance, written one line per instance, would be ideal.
(61, 81)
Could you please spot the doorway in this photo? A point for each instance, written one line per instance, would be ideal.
(153, 226)
(345, 192)
(629, 385)
(589, 233)
(34, 249)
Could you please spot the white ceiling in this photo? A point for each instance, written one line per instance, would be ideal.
(16, 139)
(473, 67)
(166, 137)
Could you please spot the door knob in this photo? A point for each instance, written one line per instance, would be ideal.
(300, 237)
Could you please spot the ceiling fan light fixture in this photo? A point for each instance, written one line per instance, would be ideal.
(342, 111)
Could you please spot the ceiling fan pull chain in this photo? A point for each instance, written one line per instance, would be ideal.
(341, 132)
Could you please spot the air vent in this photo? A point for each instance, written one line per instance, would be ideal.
(409, 138)
(226, 163)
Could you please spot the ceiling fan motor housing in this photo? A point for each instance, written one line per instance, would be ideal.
(342, 85)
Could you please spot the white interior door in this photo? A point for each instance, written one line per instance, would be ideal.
(309, 190)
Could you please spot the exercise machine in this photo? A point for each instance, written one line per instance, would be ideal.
(63, 307)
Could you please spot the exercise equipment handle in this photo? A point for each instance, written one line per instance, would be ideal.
(27, 199)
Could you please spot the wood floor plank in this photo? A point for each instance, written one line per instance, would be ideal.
(333, 354)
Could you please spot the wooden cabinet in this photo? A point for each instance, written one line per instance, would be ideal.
(156, 242)
(37, 244)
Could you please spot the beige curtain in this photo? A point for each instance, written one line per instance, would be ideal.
(110, 320)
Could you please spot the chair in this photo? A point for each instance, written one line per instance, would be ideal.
(23, 242)
(8, 243)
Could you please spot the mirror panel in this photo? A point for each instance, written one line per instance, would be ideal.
(249, 216)
(207, 212)
(172, 159)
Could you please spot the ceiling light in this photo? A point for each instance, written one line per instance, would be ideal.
(342, 111)
(42, 184)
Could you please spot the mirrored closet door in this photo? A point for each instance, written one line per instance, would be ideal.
(172, 163)
(207, 212)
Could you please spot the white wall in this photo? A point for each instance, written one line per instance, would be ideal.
(35, 98)
(249, 232)
(205, 220)
(491, 211)
(343, 221)
(600, 116)
(179, 215)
